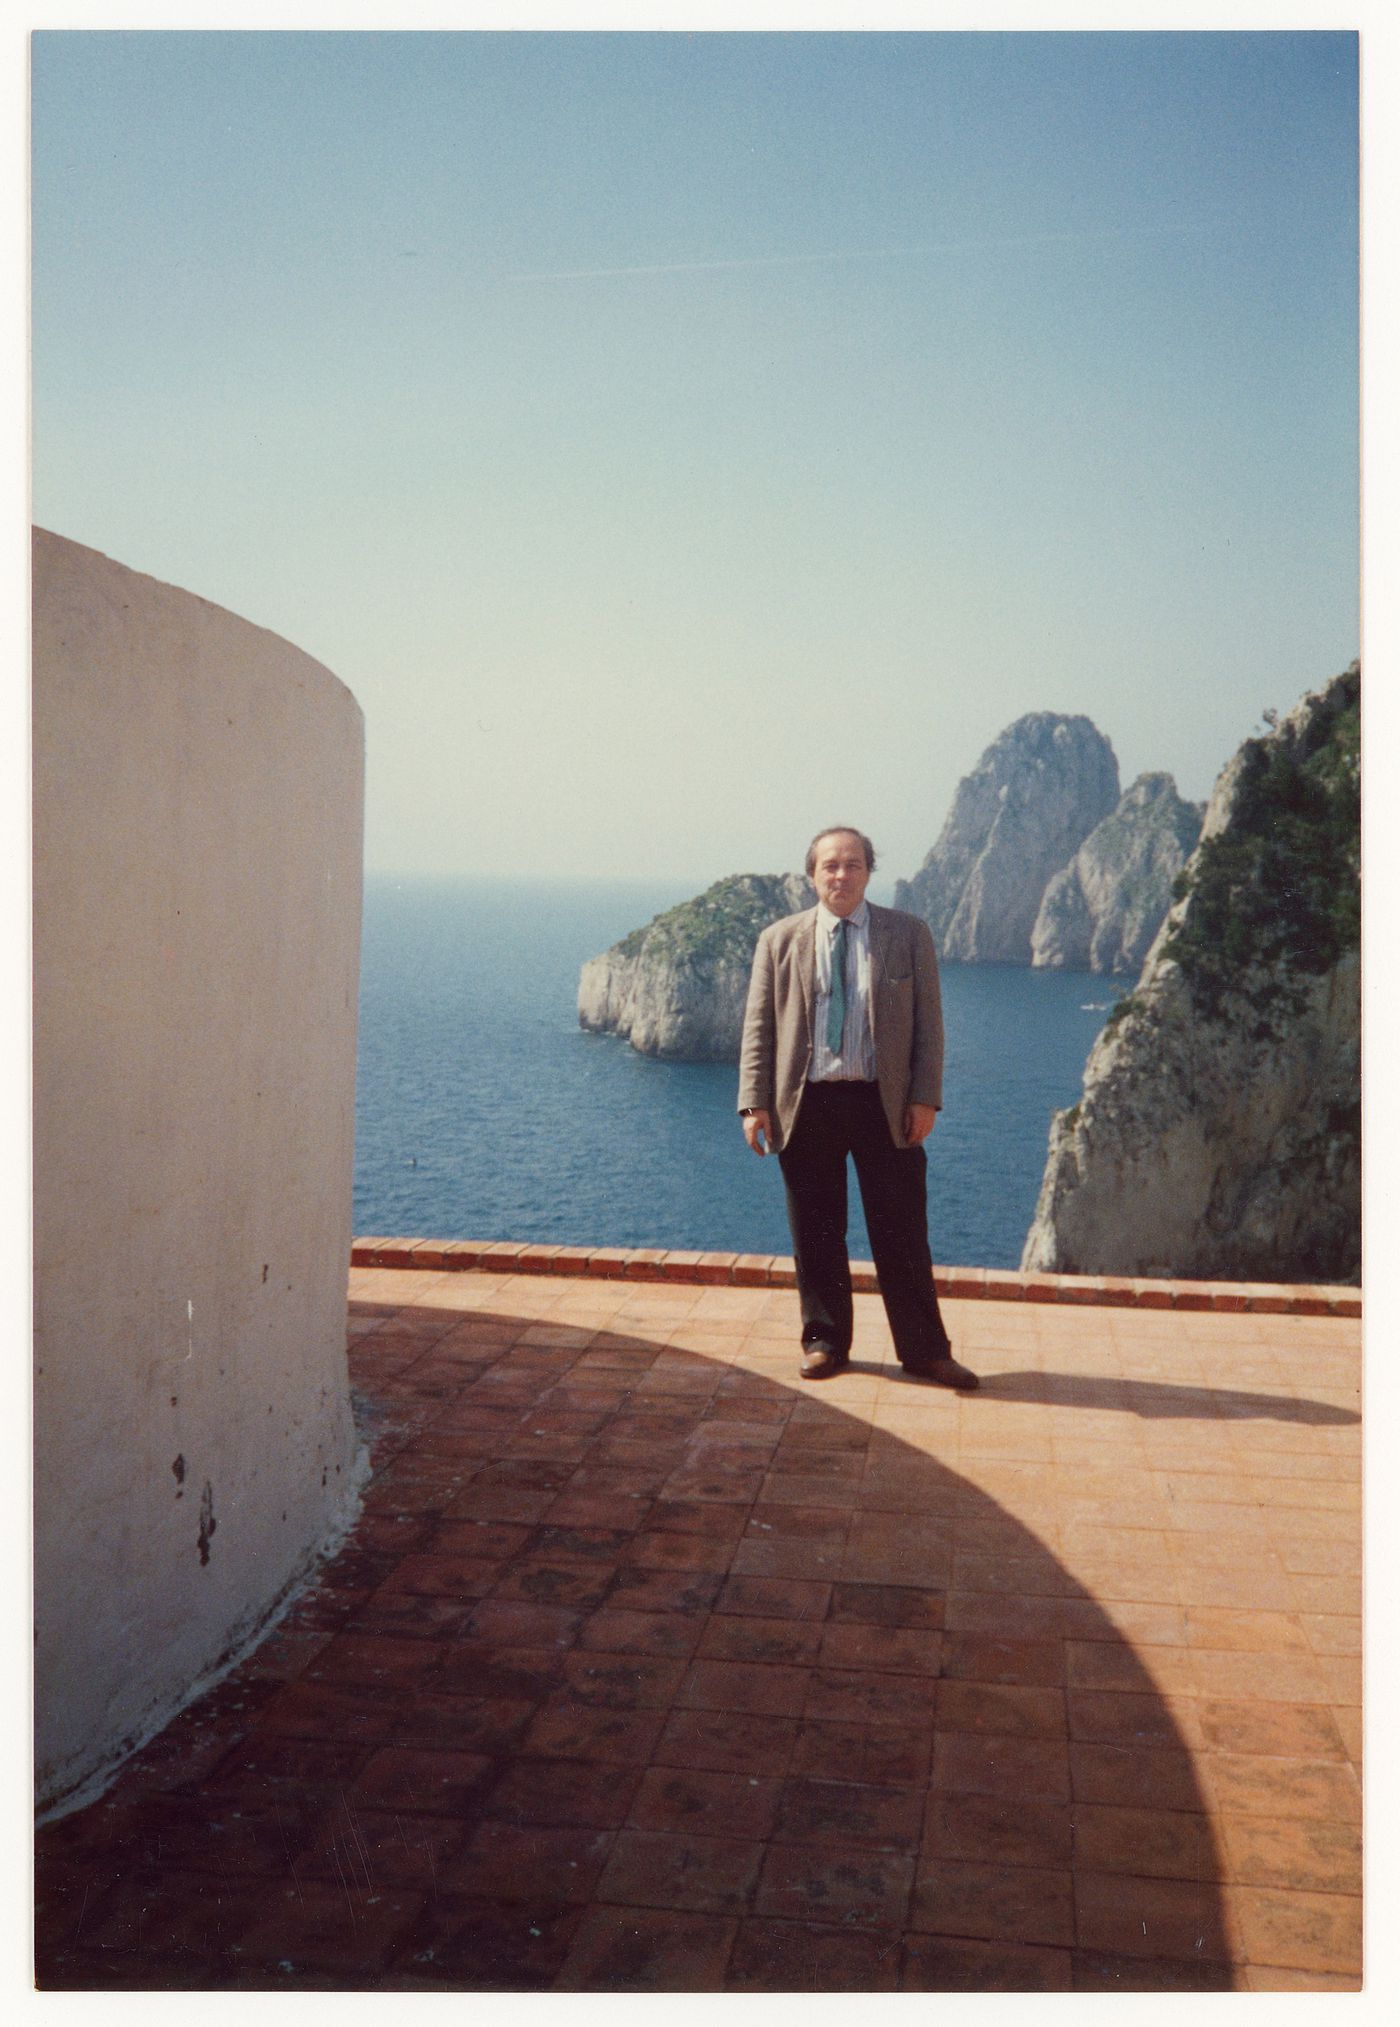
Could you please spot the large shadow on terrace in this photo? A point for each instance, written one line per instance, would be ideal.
(646, 1669)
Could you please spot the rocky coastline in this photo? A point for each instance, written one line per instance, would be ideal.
(1218, 1131)
(1218, 1134)
(677, 987)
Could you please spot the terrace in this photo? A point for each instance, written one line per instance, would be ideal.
(647, 1668)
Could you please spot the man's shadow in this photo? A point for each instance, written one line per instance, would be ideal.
(1154, 1400)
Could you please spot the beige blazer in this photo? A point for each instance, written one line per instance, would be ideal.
(906, 1015)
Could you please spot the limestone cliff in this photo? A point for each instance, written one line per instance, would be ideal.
(677, 987)
(1016, 820)
(1219, 1130)
(1102, 912)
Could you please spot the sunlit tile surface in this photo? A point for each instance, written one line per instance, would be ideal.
(648, 1667)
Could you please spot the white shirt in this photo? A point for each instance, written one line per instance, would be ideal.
(856, 1058)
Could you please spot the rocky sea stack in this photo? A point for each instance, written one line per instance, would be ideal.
(677, 987)
(1102, 912)
(1017, 819)
(1219, 1130)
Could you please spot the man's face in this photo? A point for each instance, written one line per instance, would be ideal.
(840, 874)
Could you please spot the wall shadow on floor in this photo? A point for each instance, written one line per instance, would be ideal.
(643, 1670)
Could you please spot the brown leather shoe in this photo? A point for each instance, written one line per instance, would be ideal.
(944, 1372)
(819, 1362)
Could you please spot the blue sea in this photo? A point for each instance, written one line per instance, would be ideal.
(485, 1112)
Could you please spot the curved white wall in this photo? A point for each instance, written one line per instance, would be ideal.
(198, 799)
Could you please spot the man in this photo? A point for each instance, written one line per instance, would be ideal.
(843, 1055)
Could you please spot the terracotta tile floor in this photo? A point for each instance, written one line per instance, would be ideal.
(647, 1668)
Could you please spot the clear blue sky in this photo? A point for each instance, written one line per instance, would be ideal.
(677, 442)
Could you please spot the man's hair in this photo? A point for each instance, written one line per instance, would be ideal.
(849, 830)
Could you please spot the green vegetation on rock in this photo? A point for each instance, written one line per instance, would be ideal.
(724, 921)
(1274, 898)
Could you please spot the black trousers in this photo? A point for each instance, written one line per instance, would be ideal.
(836, 1120)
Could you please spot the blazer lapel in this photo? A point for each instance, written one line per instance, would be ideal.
(879, 939)
(805, 957)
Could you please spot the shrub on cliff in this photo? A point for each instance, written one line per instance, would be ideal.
(723, 922)
(1275, 898)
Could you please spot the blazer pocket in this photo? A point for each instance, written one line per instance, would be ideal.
(899, 978)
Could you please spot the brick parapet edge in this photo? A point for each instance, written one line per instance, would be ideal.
(762, 1270)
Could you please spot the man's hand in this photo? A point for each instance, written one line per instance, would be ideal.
(918, 1124)
(757, 1129)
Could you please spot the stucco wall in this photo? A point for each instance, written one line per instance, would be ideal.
(198, 798)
